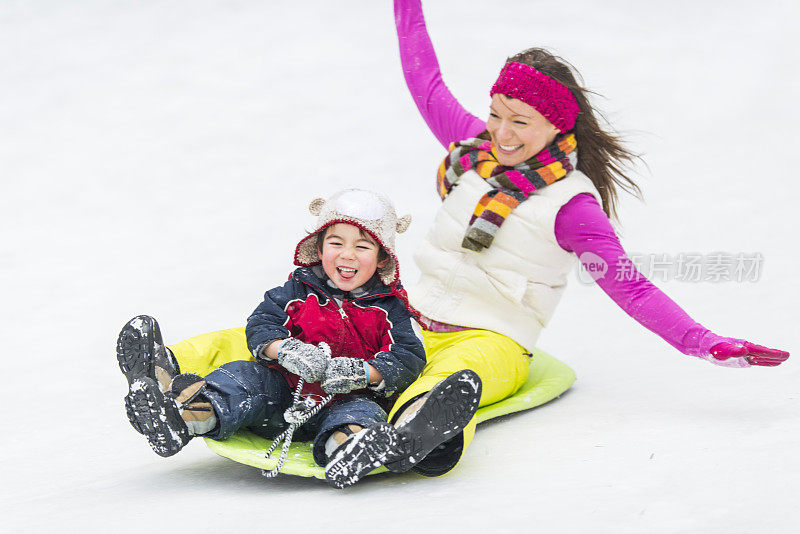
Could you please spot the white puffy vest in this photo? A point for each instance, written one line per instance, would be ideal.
(513, 286)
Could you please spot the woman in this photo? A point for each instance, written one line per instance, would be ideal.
(525, 194)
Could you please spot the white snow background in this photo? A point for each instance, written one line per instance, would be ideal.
(158, 157)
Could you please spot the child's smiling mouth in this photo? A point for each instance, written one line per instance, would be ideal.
(347, 272)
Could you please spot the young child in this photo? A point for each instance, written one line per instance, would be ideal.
(342, 324)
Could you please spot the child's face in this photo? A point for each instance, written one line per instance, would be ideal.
(518, 131)
(348, 257)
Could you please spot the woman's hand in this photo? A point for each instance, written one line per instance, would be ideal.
(745, 354)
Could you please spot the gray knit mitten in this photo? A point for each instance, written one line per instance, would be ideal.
(343, 375)
(303, 359)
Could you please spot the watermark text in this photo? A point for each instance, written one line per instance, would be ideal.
(691, 267)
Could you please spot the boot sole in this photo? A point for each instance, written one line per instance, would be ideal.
(450, 406)
(362, 454)
(136, 348)
(157, 417)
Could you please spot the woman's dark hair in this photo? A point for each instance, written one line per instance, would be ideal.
(382, 254)
(601, 155)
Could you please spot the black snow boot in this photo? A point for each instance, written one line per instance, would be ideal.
(141, 353)
(361, 453)
(429, 421)
(436, 417)
(162, 417)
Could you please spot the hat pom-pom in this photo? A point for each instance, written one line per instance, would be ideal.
(316, 206)
(403, 223)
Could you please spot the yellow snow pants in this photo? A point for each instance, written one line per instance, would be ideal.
(499, 361)
(204, 353)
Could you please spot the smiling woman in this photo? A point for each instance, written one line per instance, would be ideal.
(518, 132)
(536, 98)
(524, 197)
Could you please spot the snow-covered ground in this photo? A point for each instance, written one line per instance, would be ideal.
(158, 157)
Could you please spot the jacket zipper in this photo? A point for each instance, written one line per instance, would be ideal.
(346, 326)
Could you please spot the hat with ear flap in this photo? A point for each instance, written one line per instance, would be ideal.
(370, 211)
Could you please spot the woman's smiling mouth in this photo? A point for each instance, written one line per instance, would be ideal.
(509, 148)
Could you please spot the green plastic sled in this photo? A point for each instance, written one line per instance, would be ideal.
(547, 379)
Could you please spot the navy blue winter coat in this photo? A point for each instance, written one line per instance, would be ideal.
(377, 326)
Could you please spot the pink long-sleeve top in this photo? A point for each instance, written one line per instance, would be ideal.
(581, 224)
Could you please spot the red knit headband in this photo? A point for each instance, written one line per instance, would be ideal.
(549, 97)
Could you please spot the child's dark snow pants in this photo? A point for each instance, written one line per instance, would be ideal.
(249, 395)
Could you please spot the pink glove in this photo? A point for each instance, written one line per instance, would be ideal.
(742, 353)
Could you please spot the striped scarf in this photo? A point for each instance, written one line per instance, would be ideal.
(510, 185)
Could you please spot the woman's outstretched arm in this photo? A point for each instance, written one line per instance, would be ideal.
(582, 227)
(445, 117)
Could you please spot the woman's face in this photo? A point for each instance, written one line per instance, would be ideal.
(518, 131)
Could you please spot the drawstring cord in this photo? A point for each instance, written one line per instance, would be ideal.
(301, 411)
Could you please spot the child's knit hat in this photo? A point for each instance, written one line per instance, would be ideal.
(370, 211)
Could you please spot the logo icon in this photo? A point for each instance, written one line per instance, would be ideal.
(592, 268)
